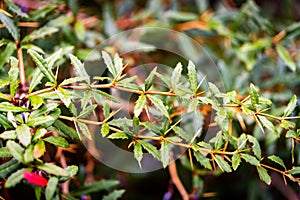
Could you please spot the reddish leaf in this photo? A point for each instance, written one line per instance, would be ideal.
(35, 179)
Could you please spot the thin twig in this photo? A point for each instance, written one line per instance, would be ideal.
(21, 69)
(176, 181)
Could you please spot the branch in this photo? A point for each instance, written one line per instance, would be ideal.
(176, 181)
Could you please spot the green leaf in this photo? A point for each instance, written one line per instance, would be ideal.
(287, 124)
(43, 110)
(6, 53)
(16, 150)
(87, 111)
(139, 105)
(192, 74)
(250, 159)
(285, 57)
(33, 47)
(24, 135)
(39, 149)
(242, 141)
(219, 141)
(79, 30)
(15, 9)
(79, 68)
(291, 134)
(254, 94)
(44, 121)
(151, 149)
(13, 76)
(118, 135)
(16, 177)
(164, 79)
(10, 26)
(53, 169)
(224, 166)
(180, 16)
(36, 101)
(138, 152)
(176, 75)
(41, 12)
(42, 65)
(5, 123)
(4, 97)
(159, 104)
(40, 132)
(149, 79)
(109, 64)
(107, 96)
(9, 135)
(192, 105)
(71, 80)
(165, 153)
(58, 141)
(8, 167)
(106, 110)
(38, 192)
(5, 107)
(114, 195)
(28, 155)
(40, 33)
(277, 160)
(205, 145)
(205, 162)
(151, 127)
(36, 79)
(72, 169)
(213, 89)
(69, 197)
(65, 129)
(51, 187)
(54, 57)
(294, 170)
(255, 147)
(84, 130)
(95, 187)
(266, 123)
(263, 175)
(64, 96)
(291, 106)
(105, 130)
(118, 63)
(236, 160)
(5, 153)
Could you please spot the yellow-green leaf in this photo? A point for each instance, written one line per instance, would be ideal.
(58, 141)
(39, 149)
(139, 105)
(24, 135)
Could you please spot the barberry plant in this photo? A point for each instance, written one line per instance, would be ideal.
(43, 113)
